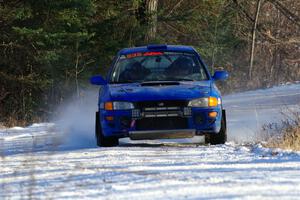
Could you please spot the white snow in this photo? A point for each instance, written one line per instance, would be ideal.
(30, 131)
(59, 161)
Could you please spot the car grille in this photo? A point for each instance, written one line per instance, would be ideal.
(161, 115)
(161, 108)
(161, 123)
(151, 104)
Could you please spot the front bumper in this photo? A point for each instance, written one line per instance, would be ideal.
(165, 123)
(162, 134)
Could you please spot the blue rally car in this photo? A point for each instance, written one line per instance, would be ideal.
(159, 92)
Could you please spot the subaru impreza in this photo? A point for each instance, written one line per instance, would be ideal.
(159, 92)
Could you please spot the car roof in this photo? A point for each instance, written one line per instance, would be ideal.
(157, 47)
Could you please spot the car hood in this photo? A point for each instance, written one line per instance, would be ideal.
(181, 91)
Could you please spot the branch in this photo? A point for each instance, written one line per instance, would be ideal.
(175, 29)
(176, 6)
(3, 96)
(260, 29)
(243, 11)
(286, 12)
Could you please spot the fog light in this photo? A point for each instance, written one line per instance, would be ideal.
(135, 113)
(213, 114)
(109, 118)
(187, 111)
(125, 122)
(199, 119)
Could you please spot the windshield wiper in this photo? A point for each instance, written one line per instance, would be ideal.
(121, 82)
(160, 83)
(181, 79)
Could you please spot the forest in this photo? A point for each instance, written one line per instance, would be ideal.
(50, 48)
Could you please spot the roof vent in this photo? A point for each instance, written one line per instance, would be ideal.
(157, 46)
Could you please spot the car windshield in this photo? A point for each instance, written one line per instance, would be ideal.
(157, 66)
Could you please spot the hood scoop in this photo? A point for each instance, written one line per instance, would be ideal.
(160, 83)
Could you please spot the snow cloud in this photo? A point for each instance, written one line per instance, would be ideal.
(76, 119)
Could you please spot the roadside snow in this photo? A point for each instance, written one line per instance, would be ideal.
(30, 131)
(153, 172)
(46, 162)
(247, 112)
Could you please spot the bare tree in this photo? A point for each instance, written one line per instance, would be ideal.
(258, 6)
(151, 11)
(3, 94)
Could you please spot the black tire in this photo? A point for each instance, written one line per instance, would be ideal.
(221, 137)
(101, 140)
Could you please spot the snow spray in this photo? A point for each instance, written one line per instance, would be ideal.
(76, 119)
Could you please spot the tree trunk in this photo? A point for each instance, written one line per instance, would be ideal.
(214, 47)
(151, 13)
(254, 37)
(76, 69)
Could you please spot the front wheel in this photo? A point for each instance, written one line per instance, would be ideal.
(221, 137)
(103, 141)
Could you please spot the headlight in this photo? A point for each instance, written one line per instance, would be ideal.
(118, 105)
(205, 102)
(201, 102)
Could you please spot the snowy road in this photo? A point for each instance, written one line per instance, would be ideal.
(42, 162)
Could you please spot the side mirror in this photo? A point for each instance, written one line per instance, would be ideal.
(220, 75)
(98, 80)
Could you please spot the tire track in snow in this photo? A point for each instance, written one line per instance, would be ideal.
(37, 162)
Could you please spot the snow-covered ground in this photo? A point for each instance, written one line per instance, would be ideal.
(60, 160)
